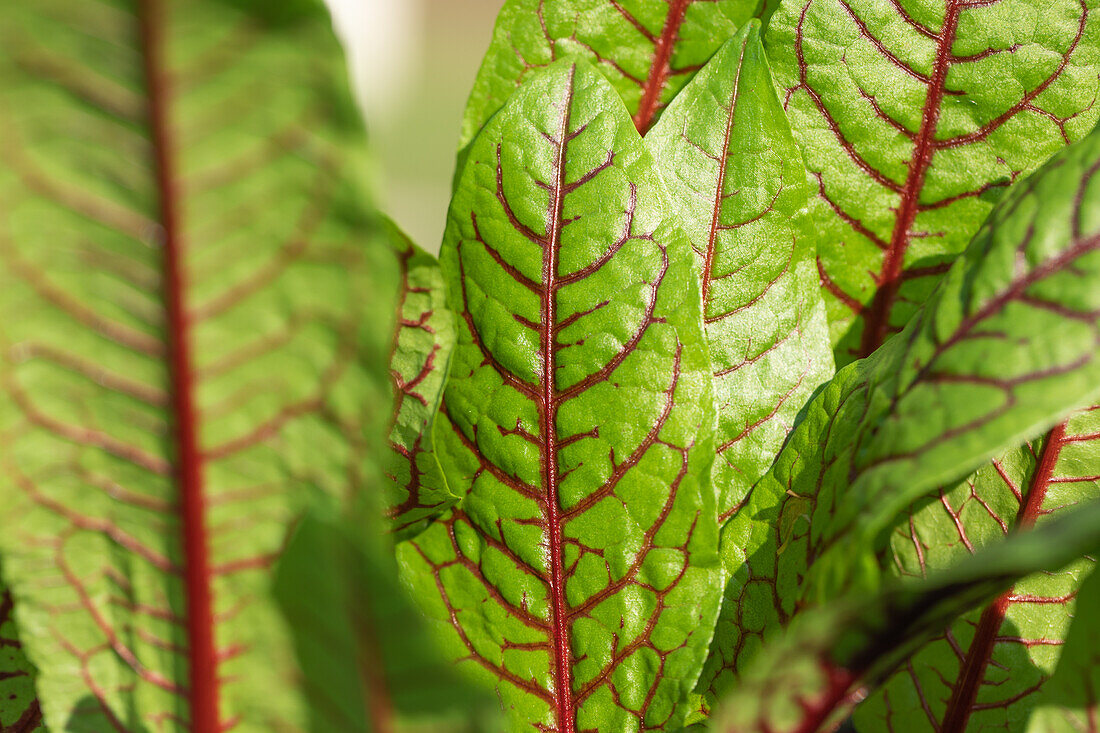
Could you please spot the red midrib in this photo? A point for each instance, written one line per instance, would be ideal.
(660, 69)
(978, 655)
(877, 323)
(202, 656)
(548, 417)
(724, 153)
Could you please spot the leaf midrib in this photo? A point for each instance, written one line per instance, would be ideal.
(877, 322)
(661, 66)
(972, 672)
(202, 689)
(548, 402)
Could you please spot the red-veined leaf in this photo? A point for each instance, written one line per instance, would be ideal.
(422, 344)
(647, 50)
(579, 575)
(986, 670)
(1007, 346)
(726, 153)
(196, 310)
(19, 711)
(912, 117)
(808, 679)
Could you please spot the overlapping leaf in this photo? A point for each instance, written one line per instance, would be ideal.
(580, 573)
(1069, 701)
(1006, 346)
(809, 679)
(913, 117)
(647, 49)
(19, 711)
(194, 331)
(986, 670)
(726, 153)
(422, 344)
(367, 660)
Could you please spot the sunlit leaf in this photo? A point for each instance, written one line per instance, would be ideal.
(579, 575)
(1005, 348)
(913, 117)
(647, 50)
(726, 153)
(1069, 701)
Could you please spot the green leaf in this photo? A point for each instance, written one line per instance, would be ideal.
(808, 679)
(909, 115)
(647, 50)
(1006, 346)
(579, 575)
(196, 309)
(726, 153)
(985, 671)
(368, 662)
(19, 711)
(423, 339)
(1068, 702)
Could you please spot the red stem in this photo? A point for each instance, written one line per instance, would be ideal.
(660, 69)
(877, 323)
(203, 668)
(978, 655)
(548, 418)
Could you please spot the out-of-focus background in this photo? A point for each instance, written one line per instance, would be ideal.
(413, 62)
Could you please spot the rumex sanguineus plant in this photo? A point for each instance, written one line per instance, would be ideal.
(752, 389)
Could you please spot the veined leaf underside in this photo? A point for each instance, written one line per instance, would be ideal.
(576, 414)
(1006, 346)
(184, 356)
(991, 664)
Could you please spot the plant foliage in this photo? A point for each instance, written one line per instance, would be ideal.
(623, 487)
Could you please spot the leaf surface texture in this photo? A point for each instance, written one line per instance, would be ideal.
(579, 575)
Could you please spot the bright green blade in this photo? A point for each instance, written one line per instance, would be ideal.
(988, 668)
(808, 679)
(647, 50)
(368, 660)
(726, 153)
(914, 116)
(579, 576)
(1068, 702)
(1006, 347)
(422, 344)
(196, 312)
(19, 711)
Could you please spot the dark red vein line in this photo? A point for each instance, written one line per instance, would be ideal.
(202, 654)
(548, 419)
(978, 655)
(876, 326)
(661, 68)
(723, 162)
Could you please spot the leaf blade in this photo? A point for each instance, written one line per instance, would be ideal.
(905, 150)
(811, 676)
(204, 234)
(730, 161)
(930, 405)
(563, 577)
(422, 346)
(646, 52)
